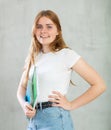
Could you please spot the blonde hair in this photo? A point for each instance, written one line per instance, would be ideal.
(36, 47)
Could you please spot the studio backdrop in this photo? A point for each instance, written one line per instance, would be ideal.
(86, 27)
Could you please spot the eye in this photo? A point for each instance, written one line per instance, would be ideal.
(49, 26)
(38, 26)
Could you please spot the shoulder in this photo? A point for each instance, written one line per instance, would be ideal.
(69, 56)
(66, 51)
(69, 52)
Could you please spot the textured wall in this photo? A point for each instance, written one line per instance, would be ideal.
(86, 28)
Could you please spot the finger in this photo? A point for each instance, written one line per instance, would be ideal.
(29, 107)
(54, 96)
(57, 93)
(54, 101)
(30, 113)
(56, 105)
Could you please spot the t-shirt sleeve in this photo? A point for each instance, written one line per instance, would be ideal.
(71, 57)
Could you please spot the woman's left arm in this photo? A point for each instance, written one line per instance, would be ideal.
(97, 87)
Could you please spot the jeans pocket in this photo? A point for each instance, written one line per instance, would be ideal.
(52, 112)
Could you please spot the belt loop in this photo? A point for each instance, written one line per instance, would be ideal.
(40, 105)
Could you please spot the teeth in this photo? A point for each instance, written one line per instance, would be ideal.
(44, 37)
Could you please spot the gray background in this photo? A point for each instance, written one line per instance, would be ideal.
(86, 28)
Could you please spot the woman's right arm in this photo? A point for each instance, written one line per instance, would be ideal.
(27, 108)
(21, 91)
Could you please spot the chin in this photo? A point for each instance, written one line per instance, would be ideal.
(45, 43)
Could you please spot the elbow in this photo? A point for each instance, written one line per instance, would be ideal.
(101, 85)
(18, 92)
(102, 88)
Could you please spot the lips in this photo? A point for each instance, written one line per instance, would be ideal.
(44, 36)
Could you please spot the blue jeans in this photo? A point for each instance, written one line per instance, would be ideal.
(52, 118)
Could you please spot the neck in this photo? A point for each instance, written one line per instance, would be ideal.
(45, 49)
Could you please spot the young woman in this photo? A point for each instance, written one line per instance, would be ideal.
(54, 62)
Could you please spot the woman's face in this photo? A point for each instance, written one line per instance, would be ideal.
(46, 31)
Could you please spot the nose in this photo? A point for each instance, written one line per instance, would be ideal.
(43, 30)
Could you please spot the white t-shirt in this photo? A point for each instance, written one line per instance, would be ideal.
(54, 72)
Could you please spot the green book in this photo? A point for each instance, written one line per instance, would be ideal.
(31, 92)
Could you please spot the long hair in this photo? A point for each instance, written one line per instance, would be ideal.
(36, 47)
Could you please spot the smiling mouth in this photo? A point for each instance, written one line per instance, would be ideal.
(44, 37)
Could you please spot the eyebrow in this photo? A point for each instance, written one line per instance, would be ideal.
(46, 24)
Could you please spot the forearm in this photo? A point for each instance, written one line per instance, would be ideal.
(20, 96)
(88, 96)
